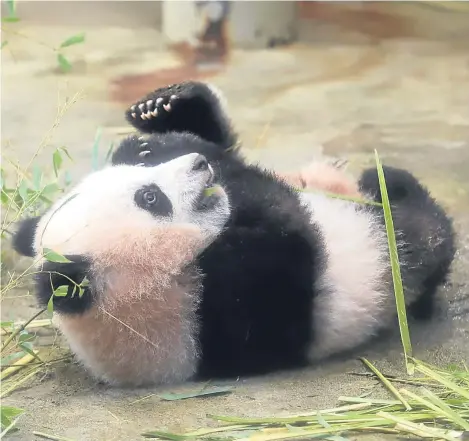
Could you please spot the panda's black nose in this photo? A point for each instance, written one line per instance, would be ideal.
(200, 163)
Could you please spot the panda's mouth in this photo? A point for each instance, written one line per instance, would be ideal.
(209, 194)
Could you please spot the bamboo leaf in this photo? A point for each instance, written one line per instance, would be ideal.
(395, 267)
(64, 64)
(74, 39)
(52, 256)
(57, 162)
(65, 150)
(23, 191)
(7, 413)
(95, 150)
(37, 177)
(445, 381)
(387, 383)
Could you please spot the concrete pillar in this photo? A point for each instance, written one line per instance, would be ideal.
(245, 23)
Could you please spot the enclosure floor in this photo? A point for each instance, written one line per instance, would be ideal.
(408, 99)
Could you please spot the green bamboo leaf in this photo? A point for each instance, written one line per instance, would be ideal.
(64, 64)
(24, 336)
(57, 162)
(109, 152)
(396, 270)
(3, 44)
(23, 191)
(5, 199)
(10, 19)
(11, 5)
(61, 291)
(386, 382)
(50, 304)
(95, 151)
(37, 177)
(52, 256)
(64, 149)
(28, 347)
(445, 381)
(50, 189)
(67, 178)
(75, 39)
(7, 413)
(12, 357)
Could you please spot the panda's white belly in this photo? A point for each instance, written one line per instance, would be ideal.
(354, 289)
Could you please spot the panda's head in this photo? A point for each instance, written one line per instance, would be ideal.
(122, 201)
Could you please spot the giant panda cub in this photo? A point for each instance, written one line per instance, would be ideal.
(246, 278)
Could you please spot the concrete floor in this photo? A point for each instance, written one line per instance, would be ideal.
(409, 99)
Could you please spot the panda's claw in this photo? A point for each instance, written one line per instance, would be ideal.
(149, 109)
(340, 163)
(144, 153)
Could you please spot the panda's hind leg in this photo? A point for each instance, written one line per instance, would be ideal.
(190, 106)
(425, 234)
(324, 176)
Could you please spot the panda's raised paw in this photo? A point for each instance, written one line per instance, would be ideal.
(151, 108)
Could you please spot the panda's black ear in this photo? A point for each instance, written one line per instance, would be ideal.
(23, 238)
(190, 106)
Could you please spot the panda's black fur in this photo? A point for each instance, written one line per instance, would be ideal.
(260, 275)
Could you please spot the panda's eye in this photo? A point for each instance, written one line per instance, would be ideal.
(150, 197)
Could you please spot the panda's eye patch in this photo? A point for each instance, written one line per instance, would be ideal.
(150, 198)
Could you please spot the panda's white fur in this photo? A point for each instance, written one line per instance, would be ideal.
(353, 298)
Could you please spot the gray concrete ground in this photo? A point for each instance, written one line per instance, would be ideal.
(409, 99)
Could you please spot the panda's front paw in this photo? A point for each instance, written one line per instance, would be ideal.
(156, 111)
(75, 276)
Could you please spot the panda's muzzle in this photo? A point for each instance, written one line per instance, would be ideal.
(208, 196)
